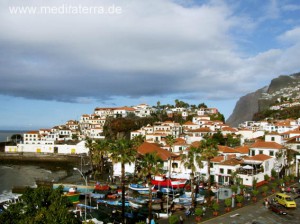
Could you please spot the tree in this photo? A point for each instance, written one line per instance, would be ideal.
(122, 151)
(90, 144)
(137, 141)
(208, 150)
(151, 165)
(190, 160)
(40, 205)
(15, 138)
(101, 151)
(202, 105)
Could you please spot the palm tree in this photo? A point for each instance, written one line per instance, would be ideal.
(101, 150)
(90, 144)
(151, 165)
(208, 149)
(190, 160)
(170, 140)
(137, 141)
(122, 151)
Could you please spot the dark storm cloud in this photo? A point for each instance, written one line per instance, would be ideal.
(152, 48)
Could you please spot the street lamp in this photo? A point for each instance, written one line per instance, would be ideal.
(85, 179)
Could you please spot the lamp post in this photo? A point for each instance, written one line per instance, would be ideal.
(85, 179)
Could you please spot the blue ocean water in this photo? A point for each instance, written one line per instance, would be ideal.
(6, 134)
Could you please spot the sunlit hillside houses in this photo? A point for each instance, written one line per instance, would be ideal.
(264, 144)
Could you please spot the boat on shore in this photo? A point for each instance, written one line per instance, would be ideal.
(162, 181)
(186, 199)
(112, 202)
(72, 195)
(141, 189)
(79, 188)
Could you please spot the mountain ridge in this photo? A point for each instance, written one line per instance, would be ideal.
(284, 87)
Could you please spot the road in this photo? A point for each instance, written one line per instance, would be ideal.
(258, 212)
(251, 213)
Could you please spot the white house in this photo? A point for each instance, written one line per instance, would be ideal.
(49, 149)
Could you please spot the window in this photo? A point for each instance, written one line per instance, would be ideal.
(228, 171)
(253, 153)
(221, 170)
(298, 146)
(174, 165)
(260, 151)
(271, 153)
(272, 139)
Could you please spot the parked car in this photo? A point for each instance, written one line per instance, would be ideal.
(277, 209)
(285, 200)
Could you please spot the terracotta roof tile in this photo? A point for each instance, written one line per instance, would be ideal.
(242, 149)
(150, 147)
(259, 157)
(263, 144)
(231, 162)
(226, 149)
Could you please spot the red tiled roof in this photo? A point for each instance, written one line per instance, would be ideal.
(242, 149)
(217, 159)
(259, 157)
(189, 123)
(147, 147)
(263, 144)
(32, 132)
(226, 149)
(231, 162)
(201, 130)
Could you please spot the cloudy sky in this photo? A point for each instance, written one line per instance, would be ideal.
(60, 59)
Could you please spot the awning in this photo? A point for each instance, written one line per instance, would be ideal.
(248, 167)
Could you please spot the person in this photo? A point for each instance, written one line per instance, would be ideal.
(248, 196)
(180, 220)
(266, 203)
(147, 220)
(204, 210)
(152, 221)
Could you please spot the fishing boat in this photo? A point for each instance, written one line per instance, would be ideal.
(186, 199)
(140, 202)
(7, 199)
(79, 188)
(101, 187)
(162, 181)
(141, 189)
(72, 195)
(98, 195)
(113, 203)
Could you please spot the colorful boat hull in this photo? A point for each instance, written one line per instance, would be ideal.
(73, 197)
(79, 188)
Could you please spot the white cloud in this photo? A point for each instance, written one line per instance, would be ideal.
(152, 48)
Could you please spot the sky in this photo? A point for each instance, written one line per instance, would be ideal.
(60, 59)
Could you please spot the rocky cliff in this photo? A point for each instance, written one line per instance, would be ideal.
(281, 88)
(245, 108)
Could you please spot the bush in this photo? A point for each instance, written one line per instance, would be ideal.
(264, 189)
(228, 202)
(199, 212)
(266, 177)
(273, 173)
(234, 189)
(215, 206)
(173, 219)
(239, 198)
(255, 193)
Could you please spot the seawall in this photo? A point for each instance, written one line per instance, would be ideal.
(35, 157)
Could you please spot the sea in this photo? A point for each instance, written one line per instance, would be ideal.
(5, 135)
(23, 175)
(17, 174)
